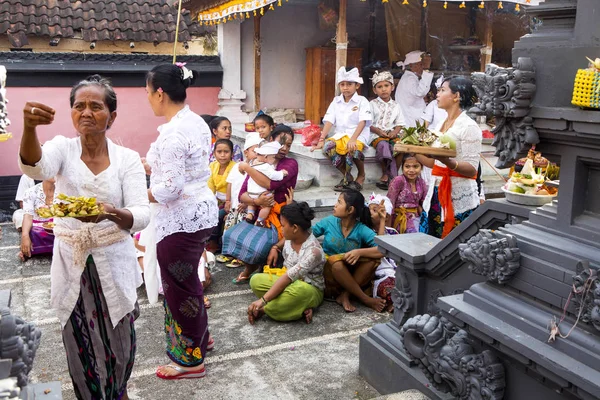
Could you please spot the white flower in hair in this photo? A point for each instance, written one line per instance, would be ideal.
(185, 73)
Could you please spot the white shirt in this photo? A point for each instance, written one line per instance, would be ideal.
(346, 117)
(236, 179)
(468, 136)
(179, 159)
(34, 198)
(386, 116)
(410, 93)
(434, 115)
(122, 184)
(269, 171)
(24, 183)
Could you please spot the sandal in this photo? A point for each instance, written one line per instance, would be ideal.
(207, 302)
(240, 280)
(355, 186)
(183, 373)
(382, 185)
(235, 264)
(211, 344)
(222, 258)
(341, 186)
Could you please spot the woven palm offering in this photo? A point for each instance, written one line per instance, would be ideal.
(586, 91)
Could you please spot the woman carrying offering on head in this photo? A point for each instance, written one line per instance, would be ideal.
(299, 289)
(94, 272)
(186, 215)
(352, 255)
(455, 195)
(350, 113)
(247, 242)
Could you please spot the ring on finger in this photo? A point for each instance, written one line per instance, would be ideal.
(33, 110)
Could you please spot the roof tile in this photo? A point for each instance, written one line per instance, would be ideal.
(128, 20)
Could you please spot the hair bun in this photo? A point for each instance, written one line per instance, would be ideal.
(307, 212)
(95, 78)
(189, 80)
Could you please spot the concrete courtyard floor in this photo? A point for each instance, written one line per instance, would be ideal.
(269, 360)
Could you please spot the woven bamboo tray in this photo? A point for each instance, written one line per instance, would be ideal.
(430, 151)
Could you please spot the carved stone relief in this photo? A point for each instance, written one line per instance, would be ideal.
(492, 254)
(445, 355)
(402, 296)
(586, 293)
(19, 342)
(505, 94)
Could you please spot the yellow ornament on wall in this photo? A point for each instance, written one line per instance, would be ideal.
(462, 5)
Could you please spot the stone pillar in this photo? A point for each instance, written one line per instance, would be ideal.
(231, 95)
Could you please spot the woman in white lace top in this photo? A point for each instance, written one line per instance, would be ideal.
(185, 216)
(94, 272)
(454, 190)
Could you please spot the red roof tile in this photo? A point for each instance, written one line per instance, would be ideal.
(94, 20)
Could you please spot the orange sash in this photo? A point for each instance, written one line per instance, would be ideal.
(273, 218)
(445, 195)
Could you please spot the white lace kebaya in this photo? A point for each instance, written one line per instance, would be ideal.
(122, 184)
(180, 170)
(468, 136)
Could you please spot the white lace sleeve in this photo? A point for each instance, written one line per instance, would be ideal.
(471, 145)
(172, 165)
(29, 201)
(310, 260)
(135, 194)
(53, 154)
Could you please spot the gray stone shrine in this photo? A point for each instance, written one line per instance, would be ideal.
(527, 325)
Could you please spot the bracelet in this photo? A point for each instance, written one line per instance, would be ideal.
(456, 166)
(264, 301)
(275, 247)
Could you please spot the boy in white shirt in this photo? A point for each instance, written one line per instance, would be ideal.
(265, 158)
(351, 115)
(388, 121)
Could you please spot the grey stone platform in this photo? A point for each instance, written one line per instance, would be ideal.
(270, 360)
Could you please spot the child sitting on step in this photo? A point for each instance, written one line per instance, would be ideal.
(351, 115)
(387, 123)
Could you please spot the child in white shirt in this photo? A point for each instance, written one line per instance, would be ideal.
(265, 158)
(351, 115)
(388, 121)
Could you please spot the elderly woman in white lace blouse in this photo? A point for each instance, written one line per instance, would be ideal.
(454, 190)
(94, 272)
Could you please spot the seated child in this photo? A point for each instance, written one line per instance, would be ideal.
(265, 158)
(264, 125)
(407, 193)
(387, 124)
(220, 168)
(385, 274)
(351, 115)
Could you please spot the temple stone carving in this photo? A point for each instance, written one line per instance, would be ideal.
(445, 355)
(586, 293)
(19, 342)
(505, 94)
(492, 254)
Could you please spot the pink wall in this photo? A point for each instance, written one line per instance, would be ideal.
(135, 126)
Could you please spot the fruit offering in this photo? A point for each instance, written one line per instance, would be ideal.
(530, 181)
(421, 136)
(71, 206)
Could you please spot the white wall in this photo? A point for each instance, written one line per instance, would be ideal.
(286, 33)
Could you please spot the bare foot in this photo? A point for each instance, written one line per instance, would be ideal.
(168, 370)
(360, 179)
(383, 179)
(308, 315)
(376, 304)
(390, 308)
(344, 301)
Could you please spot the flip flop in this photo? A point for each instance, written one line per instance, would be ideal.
(235, 264)
(382, 185)
(355, 185)
(210, 345)
(183, 374)
(240, 280)
(222, 259)
(207, 303)
(341, 186)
